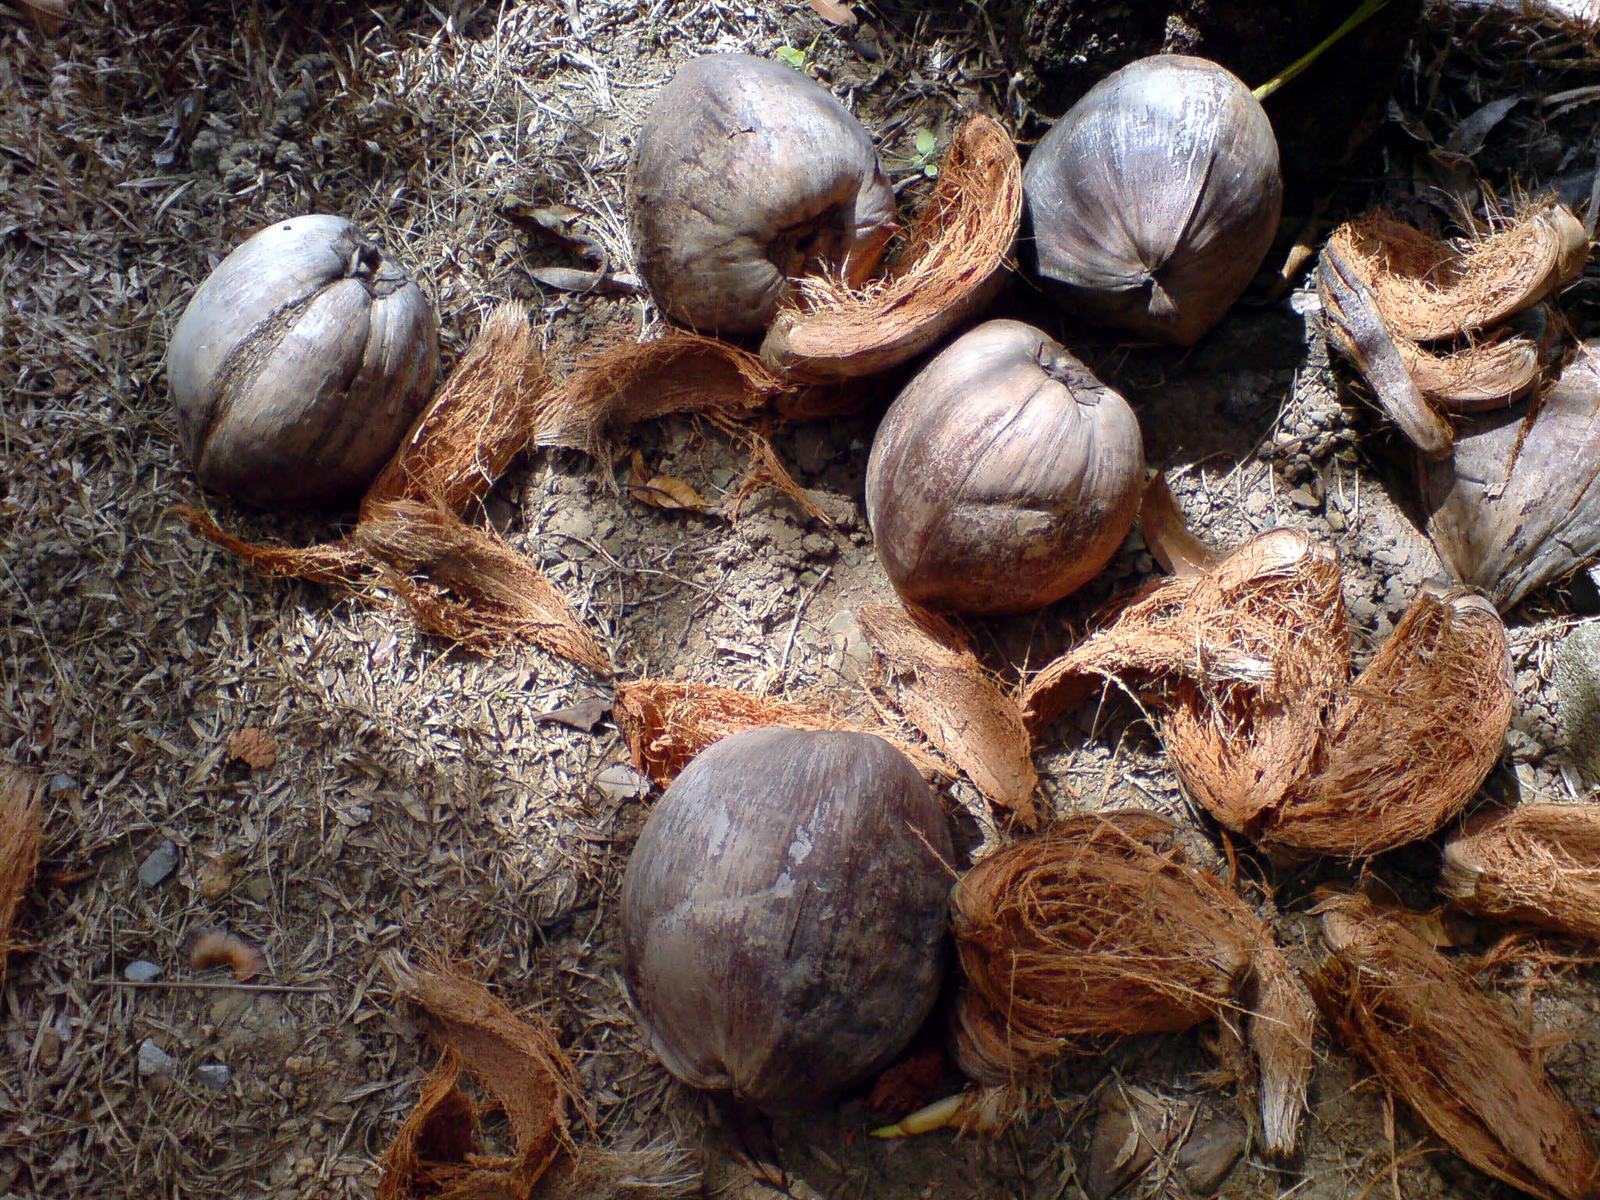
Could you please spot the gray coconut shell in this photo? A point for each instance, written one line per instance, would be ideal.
(783, 915)
(1154, 199)
(748, 174)
(1004, 476)
(299, 365)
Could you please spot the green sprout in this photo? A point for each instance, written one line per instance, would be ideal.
(925, 143)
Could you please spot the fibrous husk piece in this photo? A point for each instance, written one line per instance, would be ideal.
(19, 848)
(1479, 377)
(465, 584)
(1517, 505)
(459, 582)
(517, 1060)
(667, 723)
(1414, 737)
(1539, 863)
(953, 262)
(1429, 290)
(1242, 663)
(946, 693)
(1471, 1073)
(1248, 668)
(1099, 929)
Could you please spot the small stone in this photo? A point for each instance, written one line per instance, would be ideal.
(215, 1076)
(621, 782)
(159, 864)
(61, 785)
(153, 1060)
(812, 449)
(1303, 498)
(1336, 520)
(141, 970)
(49, 1049)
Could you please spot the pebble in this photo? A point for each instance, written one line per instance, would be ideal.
(153, 1060)
(141, 970)
(1303, 498)
(160, 863)
(214, 1075)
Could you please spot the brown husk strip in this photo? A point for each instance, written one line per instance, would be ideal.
(19, 849)
(1518, 505)
(953, 262)
(1539, 863)
(1471, 1073)
(1428, 290)
(666, 723)
(517, 1060)
(1099, 929)
(459, 582)
(945, 692)
(1358, 330)
(1476, 378)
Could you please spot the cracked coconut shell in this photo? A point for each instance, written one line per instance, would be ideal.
(1004, 476)
(748, 176)
(1155, 198)
(783, 915)
(299, 365)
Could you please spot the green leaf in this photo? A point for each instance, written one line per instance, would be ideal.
(794, 57)
(925, 142)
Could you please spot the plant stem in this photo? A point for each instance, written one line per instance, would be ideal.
(1367, 9)
(204, 985)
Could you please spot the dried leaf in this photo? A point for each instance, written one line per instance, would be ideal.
(582, 716)
(218, 948)
(1518, 505)
(254, 747)
(666, 724)
(573, 279)
(20, 831)
(945, 692)
(521, 1065)
(1451, 1053)
(952, 265)
(661, 491)
(834, 12)
(1539, 863)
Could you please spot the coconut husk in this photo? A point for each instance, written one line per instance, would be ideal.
(1539, 864)
(1517, 506)
(1430, 290)
(1247, 667)
(517, 1060)
(944, 691)
(1476, 378)
(1099, 929)
(1170, 540)
(666, 724)
(953, 262)
(1454, 1056)
(1242, 663)
(459, 582)
(19, 849)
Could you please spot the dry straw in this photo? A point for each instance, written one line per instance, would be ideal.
(1098, 929)
(945, 692)
(1469, 1072)
(19, 849)
(1538, 864)
(667, 723)
(953, 262)
(1247, 665)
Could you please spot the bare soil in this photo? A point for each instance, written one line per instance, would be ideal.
(420, 803)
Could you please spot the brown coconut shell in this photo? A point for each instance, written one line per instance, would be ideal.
(1248, 669)
(1099, 929)
(1469, 1072)
(1538, 863)
(953, 262)
(1517, 505)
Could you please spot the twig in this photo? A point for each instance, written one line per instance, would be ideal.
(200, 985)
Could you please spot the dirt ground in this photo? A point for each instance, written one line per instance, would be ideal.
(419, 802)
